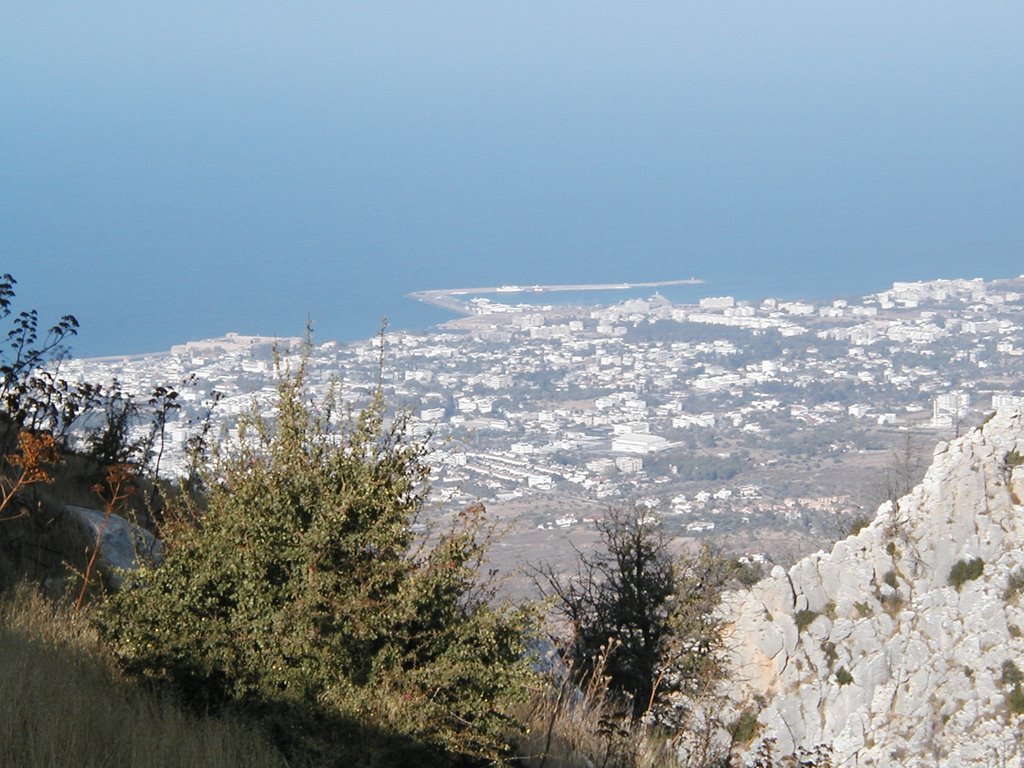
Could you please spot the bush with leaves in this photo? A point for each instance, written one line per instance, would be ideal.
(656, 611)
(31, 397)
(964, 571)
(302, 587)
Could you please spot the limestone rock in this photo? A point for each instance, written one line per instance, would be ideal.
(900, 667)
(122, 544)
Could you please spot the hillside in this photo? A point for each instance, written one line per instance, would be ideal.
(872, 649)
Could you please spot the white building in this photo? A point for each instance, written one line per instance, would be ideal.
(717, 302)
(540, 482)
(635, 443)
(1004, 400)
(949, 408)
(629, 464)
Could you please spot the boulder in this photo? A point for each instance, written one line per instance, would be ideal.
(123, 545)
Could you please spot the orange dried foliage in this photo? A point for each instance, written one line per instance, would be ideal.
(117, 487)
(34, 452)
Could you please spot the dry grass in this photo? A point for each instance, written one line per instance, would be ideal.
(62, 703)
(570, 728)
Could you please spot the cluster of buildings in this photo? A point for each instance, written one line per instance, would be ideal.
(709, 414)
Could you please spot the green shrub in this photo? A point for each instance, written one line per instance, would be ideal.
(1011, 673)
(964, 571)
(1014, 584)
(856, 524)
(843, 677)
(892, 604)
(890, 579)
(1015, 700)
(831, 654)
(644, 616)
(301, 593)
(804, 618)
(748, 574)
(745, 727)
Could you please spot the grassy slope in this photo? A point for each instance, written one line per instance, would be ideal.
(62, 703)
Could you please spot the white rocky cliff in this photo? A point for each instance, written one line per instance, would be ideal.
(871, 649)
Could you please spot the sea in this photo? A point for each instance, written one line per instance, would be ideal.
(170, 175)
(347, 310)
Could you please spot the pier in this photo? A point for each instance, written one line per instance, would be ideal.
(454, 299)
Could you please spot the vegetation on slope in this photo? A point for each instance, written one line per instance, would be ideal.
(301, 594)
(297, 617)
(66, 704)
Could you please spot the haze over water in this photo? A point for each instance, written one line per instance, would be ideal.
(176, 172)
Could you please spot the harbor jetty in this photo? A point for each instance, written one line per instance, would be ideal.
(456, 299)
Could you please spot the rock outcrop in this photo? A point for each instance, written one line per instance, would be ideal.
(123, 545)
(52, 546)
(872, 649)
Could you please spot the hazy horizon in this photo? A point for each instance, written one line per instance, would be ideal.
(171, 173)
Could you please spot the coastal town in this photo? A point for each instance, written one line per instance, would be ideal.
(765, 426)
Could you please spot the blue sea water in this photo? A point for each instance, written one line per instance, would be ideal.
(147, 303)
(170, 172)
